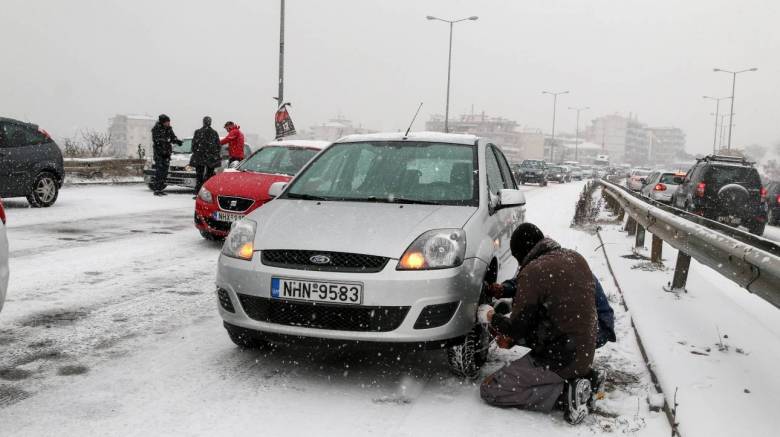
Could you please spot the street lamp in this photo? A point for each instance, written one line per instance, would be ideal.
(717, 113)
(449, 65)
(577, 140)
(555, 106)
(733, 86)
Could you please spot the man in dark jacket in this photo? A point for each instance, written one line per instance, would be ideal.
(205, 153)
(552, 314)
(163, 139)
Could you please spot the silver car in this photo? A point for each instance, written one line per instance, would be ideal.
(661, 185)
(381, 238)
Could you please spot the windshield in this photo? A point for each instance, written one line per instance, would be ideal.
(391, 171)
(532, 164)
(278, 160)
(186, 147)
(671, 179)
(727, 174)
(556, 169)
(640, 172)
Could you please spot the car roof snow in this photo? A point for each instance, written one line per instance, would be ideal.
(311, 144)
(432, 137)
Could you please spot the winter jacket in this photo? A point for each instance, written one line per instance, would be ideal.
(553, 311)
(162, 138)
(604, 312)
(235, 142)
(205, 147)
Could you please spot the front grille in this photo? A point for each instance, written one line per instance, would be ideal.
(176, 168)
(433, 316)
(330, 261)
(224, 300)
(217, 225)
(323, 316)
(235, 204)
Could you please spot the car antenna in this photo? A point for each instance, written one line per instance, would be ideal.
(413, 119)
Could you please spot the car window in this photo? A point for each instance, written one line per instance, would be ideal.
(670, 179)
(720, 175)
(278, 160)
(495, 180)
(19, 136)
(3, 136)
(506, 173)
(185, 147)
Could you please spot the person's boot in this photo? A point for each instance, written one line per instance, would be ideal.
(159, 193)
(576, 394)
(597, 379)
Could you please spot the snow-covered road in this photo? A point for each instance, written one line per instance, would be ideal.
(110, 328)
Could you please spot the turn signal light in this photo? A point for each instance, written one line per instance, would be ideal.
(659, 187)
(763, 193)
(413, 261)
(2, 212)
(246, 251)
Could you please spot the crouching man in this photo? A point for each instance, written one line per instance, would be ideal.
(553, 314)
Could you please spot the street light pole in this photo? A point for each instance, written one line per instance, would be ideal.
(733, 87)
(577, 138)
(280, 95)
(555, 107)
(717, 113)
(449, 66)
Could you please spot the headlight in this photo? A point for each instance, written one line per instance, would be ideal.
(205, 195)
(189, 168)
(437, 249)
(240, 243)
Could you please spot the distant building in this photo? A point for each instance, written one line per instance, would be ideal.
(624, 139)
(666, 144)
(332, 130)
(128, 132)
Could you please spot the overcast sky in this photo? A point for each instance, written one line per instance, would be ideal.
(73, 64)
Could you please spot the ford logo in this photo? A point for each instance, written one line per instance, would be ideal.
(320, 259)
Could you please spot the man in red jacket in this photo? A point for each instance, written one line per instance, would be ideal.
(235, 142)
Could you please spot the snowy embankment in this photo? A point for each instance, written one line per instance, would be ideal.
(111, 328)
(717, 346)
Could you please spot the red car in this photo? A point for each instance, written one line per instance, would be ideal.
(232, 194)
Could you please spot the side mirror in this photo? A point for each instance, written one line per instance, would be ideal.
(509, 198)
(276, 189)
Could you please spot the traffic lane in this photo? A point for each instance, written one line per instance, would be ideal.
(772, 233)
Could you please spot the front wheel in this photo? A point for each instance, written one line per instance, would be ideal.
(44, 191)
(466, 358)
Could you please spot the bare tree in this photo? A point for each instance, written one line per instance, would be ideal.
(96, 143)
(73, 149)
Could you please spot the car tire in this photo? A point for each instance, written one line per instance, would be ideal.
(244, 339)
(544, 183)
(44, 191)
(465, 359)
(209, 236)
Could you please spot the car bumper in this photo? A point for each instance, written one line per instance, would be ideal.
(179, 178)
(534, 178)
(460, 287)
(663, 198)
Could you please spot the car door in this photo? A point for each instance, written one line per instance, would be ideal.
(6, 169)
(18, 159)
(502, 220)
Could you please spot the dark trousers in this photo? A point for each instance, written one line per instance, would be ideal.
(202, 174)
(523, 384)
(161, 163)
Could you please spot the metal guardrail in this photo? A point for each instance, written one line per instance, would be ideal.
(100, 167)
(748, 260)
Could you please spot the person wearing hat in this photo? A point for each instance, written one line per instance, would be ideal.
(163, 139)
(235, 142)
(205, 153)
(554, 315)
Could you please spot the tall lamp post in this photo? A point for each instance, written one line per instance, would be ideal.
(577, 138)
(555, 107)
(733, 87)
(717, 114)
(449, 65)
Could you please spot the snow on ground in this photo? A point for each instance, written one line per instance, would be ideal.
(111, 328)
(733, 391)
(772, 233)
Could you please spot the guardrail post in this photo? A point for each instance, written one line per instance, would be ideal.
(630, 226)
(656, 250)
(680, 273)
(640, 236)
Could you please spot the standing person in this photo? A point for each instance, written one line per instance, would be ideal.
(162, 140)
(553, 314)
(235, 142)
(205, 153)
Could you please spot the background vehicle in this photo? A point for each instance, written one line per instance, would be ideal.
(30, 163)
(408, 229)
(558, 174)
(576, 173)
(180, 172)
(232, 194)
(661, 185)
(3, 257)
(587, 171)
(726, 189)
(533, 171)
(773, 201)
(636, 180)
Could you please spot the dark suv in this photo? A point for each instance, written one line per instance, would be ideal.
(30, 163)
(726, 189)
(532, 170)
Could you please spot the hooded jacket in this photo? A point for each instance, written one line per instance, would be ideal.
(553, 311)
(235, 142)
(162, 139)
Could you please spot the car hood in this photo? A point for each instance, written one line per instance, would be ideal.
(244, 184)
(356, 227)
(180, 159)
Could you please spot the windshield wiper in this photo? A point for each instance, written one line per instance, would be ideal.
(401, 200)
(305, 197)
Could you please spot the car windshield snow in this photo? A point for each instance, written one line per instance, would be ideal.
(391, 171)
(186, 147)
(278, 160)
(532, 164)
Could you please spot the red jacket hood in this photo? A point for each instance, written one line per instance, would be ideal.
(244, 184)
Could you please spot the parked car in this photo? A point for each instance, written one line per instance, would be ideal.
(773, 203)
(661, 185)
(180, 172)
(587, 171)
(3, 257)
(636, 180)
(727, 189)
(232, 194)
(558, 174)
(576, 173)
(533, 171)
(384, 239)
(30, 163)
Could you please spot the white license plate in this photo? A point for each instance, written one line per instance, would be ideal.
(227, 217)
(345, 293)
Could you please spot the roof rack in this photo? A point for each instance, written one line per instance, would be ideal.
(727, 158)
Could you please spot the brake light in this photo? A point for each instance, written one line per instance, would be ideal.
(777, 201)
(763, 193)
(659, 187)
(2, 212)
(46, 134)
(700, 189)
